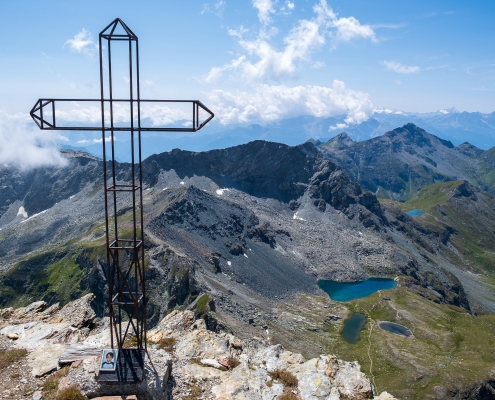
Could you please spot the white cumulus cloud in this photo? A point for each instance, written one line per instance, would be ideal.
(350, 28)
(83, 43)
(261, 57)
(265, 8)
(22, 144)
(158, 113)
(401, 69)
(338, 126)
(270, 103)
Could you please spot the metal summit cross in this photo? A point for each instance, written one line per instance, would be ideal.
(125, 247)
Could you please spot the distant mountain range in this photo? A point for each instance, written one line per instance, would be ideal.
(476, 128)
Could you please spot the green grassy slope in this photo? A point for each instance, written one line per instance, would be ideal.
(465, 212)
(449, 350)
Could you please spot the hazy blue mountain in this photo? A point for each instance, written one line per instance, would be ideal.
(457, 127)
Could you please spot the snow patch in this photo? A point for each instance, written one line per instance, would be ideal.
(245, 255)
(229, 263)
(182, 183)
(71, 197)
(221, 191)
(297, 217)
(35, 215)
(444, 112)
(22, 212)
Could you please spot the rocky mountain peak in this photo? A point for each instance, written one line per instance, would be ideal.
(413, 135)
(465, 189)
(402, 161)
(69, 154)
(470, 150)
(342, 140)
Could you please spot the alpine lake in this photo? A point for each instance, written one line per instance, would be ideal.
(348, 291)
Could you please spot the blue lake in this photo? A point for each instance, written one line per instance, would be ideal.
(352, 328)
(345, 291)
(394, 328)
(415, 213)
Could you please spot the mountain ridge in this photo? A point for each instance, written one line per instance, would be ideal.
(402, 161)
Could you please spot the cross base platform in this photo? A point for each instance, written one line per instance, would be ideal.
(130, 368)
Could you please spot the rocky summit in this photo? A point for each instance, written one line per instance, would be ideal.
(185, 360)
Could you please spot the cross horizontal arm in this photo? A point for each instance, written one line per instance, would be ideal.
(48, 117)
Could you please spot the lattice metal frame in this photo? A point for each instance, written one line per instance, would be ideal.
(125, 248)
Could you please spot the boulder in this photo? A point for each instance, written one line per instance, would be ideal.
(201, 343)
(68, 335)
(318, 376)
(45, 359)
(78, 313)
(246, 382)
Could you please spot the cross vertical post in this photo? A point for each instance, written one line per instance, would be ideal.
(125, 248)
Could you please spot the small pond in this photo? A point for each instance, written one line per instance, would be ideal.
(347, 291)
(352, 328)
(415, 213)
(392, 327)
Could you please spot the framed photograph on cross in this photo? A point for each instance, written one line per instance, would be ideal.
(108, 360)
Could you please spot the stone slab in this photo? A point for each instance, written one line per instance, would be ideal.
(44, 360)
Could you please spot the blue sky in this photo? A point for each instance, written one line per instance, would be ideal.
(260, 60)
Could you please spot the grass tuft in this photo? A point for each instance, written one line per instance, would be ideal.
(287, 395)
(130, 342)
(8, 357)
(50, 385)
(167, 344)
(284, 377)
(71, 393)
(233, 362)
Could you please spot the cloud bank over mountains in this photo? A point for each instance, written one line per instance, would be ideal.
(25, 146)
(270, 103)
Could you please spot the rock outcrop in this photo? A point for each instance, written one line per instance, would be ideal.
(205, 364)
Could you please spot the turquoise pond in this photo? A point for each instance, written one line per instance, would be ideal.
(345, 291)
(352, 328)
(415, 213)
